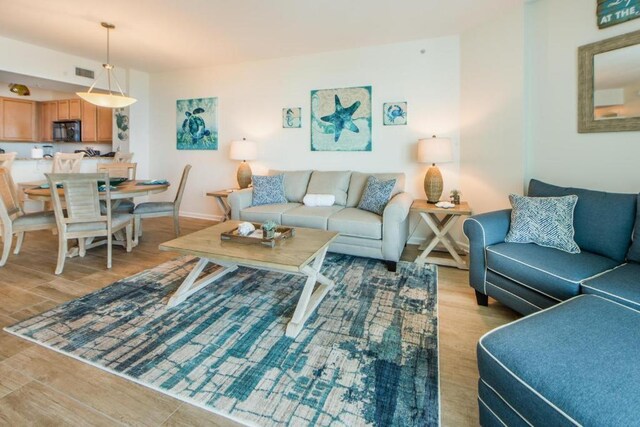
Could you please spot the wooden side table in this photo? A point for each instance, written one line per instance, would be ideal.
(221, 197)
(441, 229)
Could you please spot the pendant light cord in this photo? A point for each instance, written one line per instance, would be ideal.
(108, 63)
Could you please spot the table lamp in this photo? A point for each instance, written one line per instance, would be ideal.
(434, 150)
(244, 150)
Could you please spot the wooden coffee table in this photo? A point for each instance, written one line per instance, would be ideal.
(301, 255)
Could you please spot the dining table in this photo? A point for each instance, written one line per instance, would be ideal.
(123, 190)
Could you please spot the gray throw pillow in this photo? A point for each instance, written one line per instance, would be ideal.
(268, 190)
(376, 195)
(545, 221)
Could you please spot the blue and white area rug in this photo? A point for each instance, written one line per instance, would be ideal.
(369, 356)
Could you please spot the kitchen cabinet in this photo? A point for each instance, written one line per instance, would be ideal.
(48, 115)
(105, 124)
(69, 109)
(19, 120)
(63, 110)
(75, 112)
(97, 123)
(89, 122)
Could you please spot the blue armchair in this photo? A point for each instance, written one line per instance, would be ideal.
(529, 278)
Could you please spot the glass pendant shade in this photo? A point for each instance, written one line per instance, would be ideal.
(108, 100)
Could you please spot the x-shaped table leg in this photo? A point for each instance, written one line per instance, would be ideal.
(441, 229)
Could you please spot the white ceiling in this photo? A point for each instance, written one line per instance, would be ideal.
(159, 35)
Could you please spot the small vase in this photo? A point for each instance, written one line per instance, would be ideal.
(455, 200)
(269, 234)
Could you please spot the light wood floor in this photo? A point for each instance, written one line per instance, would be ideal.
(42, 387)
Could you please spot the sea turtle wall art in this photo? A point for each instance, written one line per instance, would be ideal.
(197, 124)
(341, 119)
(394, 113)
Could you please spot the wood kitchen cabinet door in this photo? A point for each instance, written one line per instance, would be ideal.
(63, 110)
(19, 120)
(48, 115)
(89, 128)
(105, 124)
(75, 109)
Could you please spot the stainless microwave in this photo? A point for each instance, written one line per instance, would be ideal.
(67, 131)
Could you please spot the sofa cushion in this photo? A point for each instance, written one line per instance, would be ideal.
(310, 217)
(336, 183)
(376, 195)
(634, 250)
(545, 221)
(356, 223)
(621, 284)
(359, 181)
(266, 212)
(268, 190)
(552, 272)
(603, 221)
(295, 183)
(573, 364)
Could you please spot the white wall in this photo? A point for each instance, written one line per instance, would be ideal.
(251, 97)
(492, 102)
(31, 60)
(557, 153)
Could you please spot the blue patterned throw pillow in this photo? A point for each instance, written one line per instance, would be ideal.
(376, 195)
(545, 221)
(268, 190)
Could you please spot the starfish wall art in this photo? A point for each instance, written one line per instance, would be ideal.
(341, 119)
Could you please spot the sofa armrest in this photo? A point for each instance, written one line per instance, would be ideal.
(239, 200)
(395, 226)
(484, 230)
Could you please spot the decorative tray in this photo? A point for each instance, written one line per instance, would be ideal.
(257, 237)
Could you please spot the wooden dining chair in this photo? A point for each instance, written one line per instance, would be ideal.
(119, 169)
(6, 160)
(13, 219)
(121, 157)
(159, 209)
(66, 162)
(82, 218)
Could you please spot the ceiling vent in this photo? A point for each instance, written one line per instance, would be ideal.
(84, 73)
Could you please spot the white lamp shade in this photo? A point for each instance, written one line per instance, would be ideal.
(243, 150)
(435, 150)
(106, 99)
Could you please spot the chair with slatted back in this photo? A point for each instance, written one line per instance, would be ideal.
(121, 157)
(6, 160)
(66, 162)
(119, 170)
(13, 220)
(82, 218)
(159, 209)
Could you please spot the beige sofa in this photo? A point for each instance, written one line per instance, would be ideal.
(362, 233)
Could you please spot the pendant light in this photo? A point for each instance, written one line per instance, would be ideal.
(109, 100)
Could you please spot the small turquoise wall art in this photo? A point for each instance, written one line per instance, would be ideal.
(394, 113)
(197, 124)
(292, 117)
(341, 119)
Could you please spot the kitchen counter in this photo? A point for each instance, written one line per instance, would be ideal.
(51, 158)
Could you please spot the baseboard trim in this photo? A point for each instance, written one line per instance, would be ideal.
(198, 215)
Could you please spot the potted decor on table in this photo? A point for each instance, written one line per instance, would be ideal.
(269, 229)
(455, 196)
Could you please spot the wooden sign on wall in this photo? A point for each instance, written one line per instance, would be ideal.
(613, 12)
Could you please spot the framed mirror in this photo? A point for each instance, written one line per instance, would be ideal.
(609, 85)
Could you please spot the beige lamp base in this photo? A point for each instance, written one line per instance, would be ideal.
(244, 175)
(433, 184)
